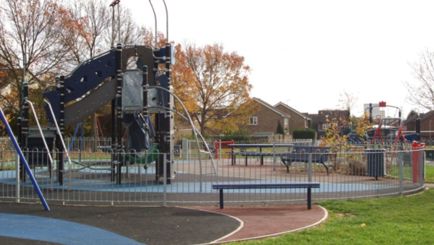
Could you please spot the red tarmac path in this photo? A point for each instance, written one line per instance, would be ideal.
(260, 222)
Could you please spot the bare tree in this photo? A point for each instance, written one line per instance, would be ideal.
(347, 100)
(421, 90)
(92, 20)
(95, 32)
(30, 40)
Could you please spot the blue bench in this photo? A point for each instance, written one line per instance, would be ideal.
(297, 185)
(248, 154)
(302, 153)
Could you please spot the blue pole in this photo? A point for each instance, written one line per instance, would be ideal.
(23, 160)
(71, 146)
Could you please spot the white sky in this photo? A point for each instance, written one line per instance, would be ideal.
(307, 53)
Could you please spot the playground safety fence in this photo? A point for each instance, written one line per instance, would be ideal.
(90, 178)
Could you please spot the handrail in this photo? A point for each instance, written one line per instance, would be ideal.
(24, 161)
(195, 130)
(40, 131)
(58, 130)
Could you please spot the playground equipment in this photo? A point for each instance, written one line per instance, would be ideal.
(136, 81)
(106, 79)
(136, 107)
(383, 130)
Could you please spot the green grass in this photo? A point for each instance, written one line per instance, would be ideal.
(392, 220)
(407, 172)
(429, 174)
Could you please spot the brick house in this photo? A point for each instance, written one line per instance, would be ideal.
(297, 120)
(326, 118)
(265, 121)
(426, 124)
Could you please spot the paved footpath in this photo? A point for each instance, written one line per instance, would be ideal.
(29, 224)
(260, 222)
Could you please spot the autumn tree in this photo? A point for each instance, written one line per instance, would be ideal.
(361, 125)
(30, 33)
(421, 90)
(213, 84)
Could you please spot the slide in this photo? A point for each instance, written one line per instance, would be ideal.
(92, 84)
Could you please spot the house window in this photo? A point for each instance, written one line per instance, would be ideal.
(253, 120)
(285, 123)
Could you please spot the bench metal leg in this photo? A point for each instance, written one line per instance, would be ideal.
(309, 198)
(287, 165)
(221, 198)
(233, 158)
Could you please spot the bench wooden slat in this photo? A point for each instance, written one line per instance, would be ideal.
(306, 185)
(302, 153)
(267, 186)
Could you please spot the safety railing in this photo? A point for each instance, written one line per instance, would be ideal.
(91, 177)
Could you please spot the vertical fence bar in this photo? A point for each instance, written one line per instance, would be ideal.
(18, 181)
(401, 174)
(164, 179)
(422, 166)
(309, 167)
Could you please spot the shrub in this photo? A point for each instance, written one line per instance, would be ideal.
(305, 133)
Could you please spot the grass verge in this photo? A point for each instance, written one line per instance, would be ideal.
(391, 220)
(429, 174)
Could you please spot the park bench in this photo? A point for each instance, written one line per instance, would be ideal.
(302, 154)
(295, 185)
(255, 153)
(247, 154)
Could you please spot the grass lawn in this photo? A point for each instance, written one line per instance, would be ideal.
(429, 174)
(391, 220)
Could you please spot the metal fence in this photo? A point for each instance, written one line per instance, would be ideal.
(88, 178)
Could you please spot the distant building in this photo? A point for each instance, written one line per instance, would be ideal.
(265, 121)
(327, 118)
(297, 120)
(426, 124)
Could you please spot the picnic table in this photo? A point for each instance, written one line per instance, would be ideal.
(315, 154)
(259, 153)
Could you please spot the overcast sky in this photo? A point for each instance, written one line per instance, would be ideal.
(307, 53)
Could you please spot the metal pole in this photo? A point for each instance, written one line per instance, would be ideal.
(51, 164)
(113, 27)
(401, 172)
(17, 183)
(59, 131)
(113, 4)
(24, 161)
(155, 22)
(309, 167)
(274, 157)
(118, 111)
(167, 20)
(23, 119)
(119, 24)
(164, 179)
(62, 92)
(422, 167)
